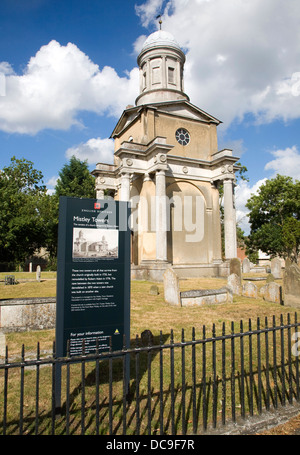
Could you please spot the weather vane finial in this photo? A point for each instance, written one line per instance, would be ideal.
(160, 21)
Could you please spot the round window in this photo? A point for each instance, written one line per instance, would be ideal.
(182, 136)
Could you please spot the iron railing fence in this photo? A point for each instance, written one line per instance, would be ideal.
(166, 386)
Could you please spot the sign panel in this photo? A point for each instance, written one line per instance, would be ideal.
(93, 275)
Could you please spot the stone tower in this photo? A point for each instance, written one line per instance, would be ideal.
(167, 164)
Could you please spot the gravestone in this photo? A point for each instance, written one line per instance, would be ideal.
(246, 265)
(171, 288)
(205, 296)
(276, 268)
(271, 292)
(234, 283)
(291, 282)
(2, 344)
(154, 290)
(235, 267)
(249, 290)
(38, 273)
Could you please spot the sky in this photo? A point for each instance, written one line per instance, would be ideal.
(68, 70)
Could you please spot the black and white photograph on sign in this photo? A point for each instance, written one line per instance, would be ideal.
(95, 243)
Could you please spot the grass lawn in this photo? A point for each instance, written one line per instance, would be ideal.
(149, 311)
(152, 313)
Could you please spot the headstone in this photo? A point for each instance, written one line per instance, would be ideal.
(276, 268)
(10, 279)
(291, 283)
(206, 296)
(38, 273)
(250, 290)
(246, 265)
(235, 267)
(30, 267)
(171, 287)
(2, 344)
(271, 292)
(154, 290)
(234, 283)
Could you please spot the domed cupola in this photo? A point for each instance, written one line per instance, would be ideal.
(161, 63)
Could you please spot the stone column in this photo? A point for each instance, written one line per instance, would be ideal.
(229, 220)
(100, 194)
(125, 187)
(164, 75)
(161, 215)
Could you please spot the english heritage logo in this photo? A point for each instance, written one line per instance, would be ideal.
(97, 205)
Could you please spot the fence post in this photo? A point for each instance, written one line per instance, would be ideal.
(223, 376)
(232, 373)
(242, 371)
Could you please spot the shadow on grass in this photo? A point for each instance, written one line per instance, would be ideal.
(162, 398)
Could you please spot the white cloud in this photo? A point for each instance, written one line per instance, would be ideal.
(242, 56)
(58, 83)
(243, 192)
(149, 10)
(286, 162)
(236, 145)
(6, 68)
(50, 184)
(52, 181)
(138, 44)
(95, 150)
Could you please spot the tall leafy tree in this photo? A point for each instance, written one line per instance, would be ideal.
(22, 196)
(75, 180)
(274, 216)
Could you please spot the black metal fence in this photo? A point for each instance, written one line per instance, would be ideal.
(166, 386)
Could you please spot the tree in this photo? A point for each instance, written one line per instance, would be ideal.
(275, 218)
(49, 213)
(75, 180)
(22, 196)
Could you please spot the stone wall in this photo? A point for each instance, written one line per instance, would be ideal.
(27, 314)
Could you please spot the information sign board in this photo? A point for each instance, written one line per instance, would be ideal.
(93, 275)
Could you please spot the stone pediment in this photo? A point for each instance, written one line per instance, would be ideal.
(181, 108)
(126, 119)
(187, 110)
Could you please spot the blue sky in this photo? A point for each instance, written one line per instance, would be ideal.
(68, 70)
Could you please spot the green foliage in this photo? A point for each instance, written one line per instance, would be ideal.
(49, 214)
(22, 197)
(28, 215)
(75, 180)
(291, 237)
(274, 218)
